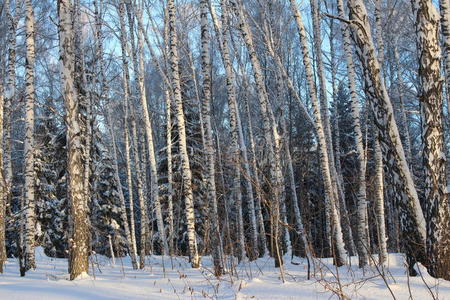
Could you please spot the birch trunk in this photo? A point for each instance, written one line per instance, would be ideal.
(150, 145)
(412, 220)
(5, 151)
(324, 111)
(126, 91)
(79, 243)
(299, 228)
(84, 102)
(8, 100)
(185, 169)
(29, 201)
(331, 197)
(3, 197)
(444, 6)
(232, 106)
(269, 129)
(140, 190)
(363, 239)
(123, 208)
(430, 96)
(169, 170)
(257, 183)
(222, 39)
(347, 229)
(379, 201)
(209, 145)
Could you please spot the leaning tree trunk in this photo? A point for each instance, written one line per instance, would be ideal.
(430, 95)
(331, 196)
(269, 128)
(346, 225)
(222, 37)
(317, 43)
(412, 220)
(185, 168)
(29, 201)
(79, 246)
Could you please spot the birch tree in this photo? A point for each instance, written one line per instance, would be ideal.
(3, 197)
(444, 8)
(361, 195)
(185, 168)
(209, 146)
(269, 128)
(431, 101)
(29, 201)
(331, 199)
(412, 219)
(126, 92)
(79, 240)
(8, 100)
(150, 144)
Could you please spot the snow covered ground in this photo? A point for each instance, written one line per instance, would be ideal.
(257, 280)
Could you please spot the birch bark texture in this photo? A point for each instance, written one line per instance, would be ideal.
(185, 168)
(412, 219)
(126, 96)
(216, 239)
(3, 197)
(431, 102)
(330, 195)
(79, 239)
(29, 197)
(150, 143)
(269, 128)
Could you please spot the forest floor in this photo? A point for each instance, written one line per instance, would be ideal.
(255, 280)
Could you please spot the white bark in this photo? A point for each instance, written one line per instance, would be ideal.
(169, 170)
(331, 196)
(9, 99)
(29, 201)
(123, 209)
(140, 190)
(79, 243)
(222, 38)
(209, 145)
(412, 220)
(431, 101)
(3, 197)
(269, 129)
(444, 6)
(150, 144)
(363, 239)
(185, 169)
(379, 201)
